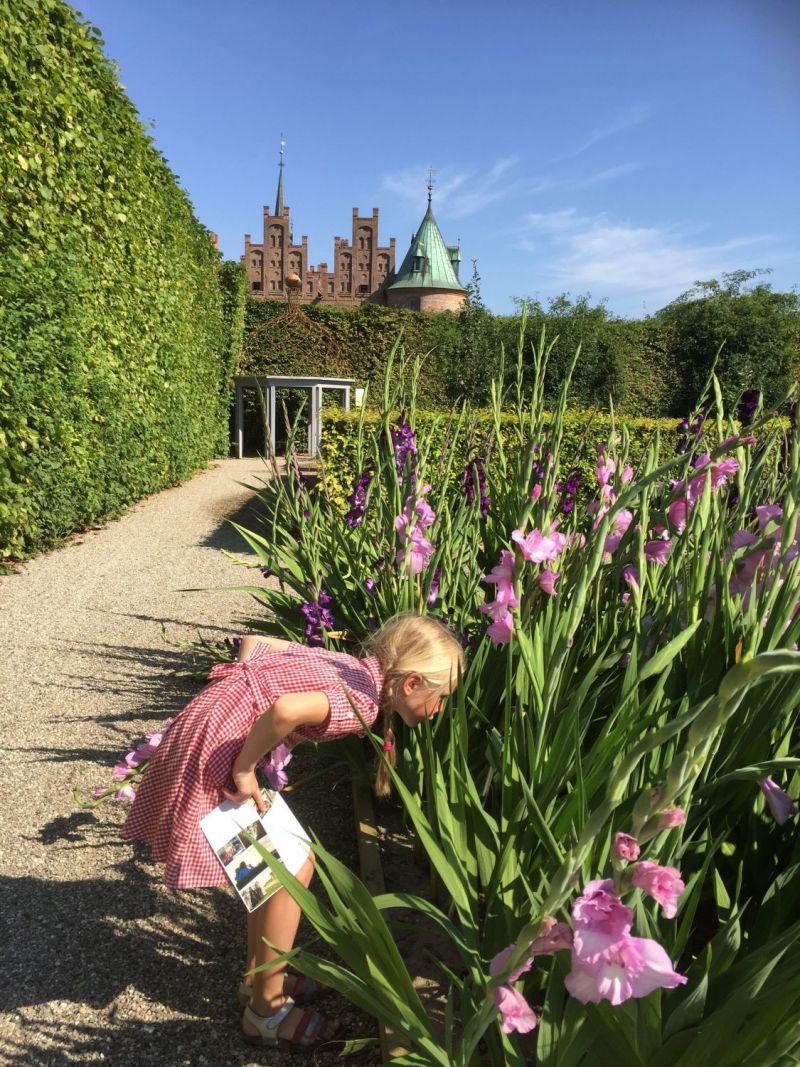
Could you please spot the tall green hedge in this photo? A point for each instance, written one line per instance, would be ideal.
(113, 351)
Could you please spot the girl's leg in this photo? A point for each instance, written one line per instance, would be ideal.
(276, 920)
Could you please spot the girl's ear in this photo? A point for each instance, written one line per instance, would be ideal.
(410, 683)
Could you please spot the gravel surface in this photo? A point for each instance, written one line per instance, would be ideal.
(101, 962)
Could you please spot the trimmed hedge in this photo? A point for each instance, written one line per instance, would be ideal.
(113, 353)
(583, 430)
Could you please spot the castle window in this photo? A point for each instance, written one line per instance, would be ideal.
(256, 287)
(272, 285)
(363, 288)
(330, 287)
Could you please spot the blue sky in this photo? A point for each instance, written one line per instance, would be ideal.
(622, 149)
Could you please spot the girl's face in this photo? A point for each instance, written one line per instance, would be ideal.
(414, 701)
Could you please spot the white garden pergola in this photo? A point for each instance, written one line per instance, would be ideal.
(268, 385)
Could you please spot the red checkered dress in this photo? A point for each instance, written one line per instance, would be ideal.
(184, 779)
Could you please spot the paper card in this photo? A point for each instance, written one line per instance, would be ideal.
(276, 829)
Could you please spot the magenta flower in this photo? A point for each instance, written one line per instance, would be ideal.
(537, 547)
(634, 968)
(128, 792)
(497, 966)
(743, 538)
(670, 818)
(274, 767)
(547, 581)
(663, 884)
(600, 920)
(627, 474)
(657, 552)
(780, 803)
(626, 847)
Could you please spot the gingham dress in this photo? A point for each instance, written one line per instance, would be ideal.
(183, 781)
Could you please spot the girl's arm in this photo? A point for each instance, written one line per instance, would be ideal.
(248, 643)
(281, 719)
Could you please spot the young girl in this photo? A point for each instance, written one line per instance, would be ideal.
(279, 691)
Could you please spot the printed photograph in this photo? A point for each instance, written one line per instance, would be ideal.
(230, 850)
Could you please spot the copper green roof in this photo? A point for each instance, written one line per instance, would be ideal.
(427, 264)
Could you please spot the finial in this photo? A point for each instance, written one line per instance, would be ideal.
(283, 146)
(431, 176)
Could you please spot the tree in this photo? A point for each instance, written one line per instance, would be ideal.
(755, 329)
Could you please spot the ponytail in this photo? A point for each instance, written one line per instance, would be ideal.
(383, 780)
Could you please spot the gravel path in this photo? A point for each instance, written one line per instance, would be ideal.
(100, 961)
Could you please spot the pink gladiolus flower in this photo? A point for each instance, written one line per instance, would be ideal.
(671, 817)
(516, 1012)
(547, 581)
(663, 884)
(743, 538)
(538, 547)
(657, 552)
(99, 793)
(502, 571)
(626, 847)
(600, 920)
(498, 963)
(676, 513)
(128, 792)
(419, 550)
(630, 574)
(501, 629)
(780, 803)
(274, 767)
(635, 968)
(768, 513)
(536, 492)
(605, 467)
(723, 470)
(552, 937)
(627, 474)
(122, 770)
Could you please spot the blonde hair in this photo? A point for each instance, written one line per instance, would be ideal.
(411, 644)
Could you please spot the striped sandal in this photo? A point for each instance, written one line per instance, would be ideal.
(310, 1030)
(301, 989)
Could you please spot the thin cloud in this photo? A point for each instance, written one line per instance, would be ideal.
(631, 116)
(595, 253)
(455, 194)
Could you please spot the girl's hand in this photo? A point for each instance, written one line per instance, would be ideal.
(246, 788)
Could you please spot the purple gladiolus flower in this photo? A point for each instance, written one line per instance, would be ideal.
(657, 552)
(275, 767)
(780, 804)
(473, 470)
(405, 449)
(433, 593)
(748, 402)
(318, 618)
(369, 585)
(358, 498)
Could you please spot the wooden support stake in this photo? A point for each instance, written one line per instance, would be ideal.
(369, 858)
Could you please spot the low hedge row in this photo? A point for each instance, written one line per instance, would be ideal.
(112, 340)
(583, 430)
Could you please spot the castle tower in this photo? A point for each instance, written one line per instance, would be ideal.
(428, 276)
(361, 269)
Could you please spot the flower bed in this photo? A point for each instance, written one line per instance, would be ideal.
(609, 800)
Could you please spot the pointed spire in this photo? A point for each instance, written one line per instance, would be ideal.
(431, 176)
(279, 205)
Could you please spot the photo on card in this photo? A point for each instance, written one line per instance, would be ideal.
(230, 850)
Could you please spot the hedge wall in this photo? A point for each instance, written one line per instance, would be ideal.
(112, 342)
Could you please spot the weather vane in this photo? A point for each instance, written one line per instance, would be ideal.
(431, 176)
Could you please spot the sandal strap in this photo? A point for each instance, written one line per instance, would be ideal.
(267, 1026)
(305, 1031)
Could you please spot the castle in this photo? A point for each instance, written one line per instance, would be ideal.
(362, 271)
